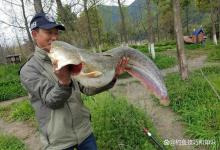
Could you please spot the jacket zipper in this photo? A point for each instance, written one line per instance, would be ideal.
(72, 120)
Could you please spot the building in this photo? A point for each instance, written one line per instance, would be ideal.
(16, 58)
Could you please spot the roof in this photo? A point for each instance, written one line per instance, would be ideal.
(198, 31)
(14, 55)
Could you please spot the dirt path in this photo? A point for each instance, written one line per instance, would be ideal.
(23, 131)
(165, 121)
(28, 134)
(193, 64)
(9, 102)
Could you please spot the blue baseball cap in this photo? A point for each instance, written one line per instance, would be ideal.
(44, 21)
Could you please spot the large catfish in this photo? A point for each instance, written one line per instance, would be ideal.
(98, 69)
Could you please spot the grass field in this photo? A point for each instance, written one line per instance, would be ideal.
(197, 104)
(10, 86)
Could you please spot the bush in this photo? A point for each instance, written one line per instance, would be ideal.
(10, 143)
(199, 107)
(117, 124)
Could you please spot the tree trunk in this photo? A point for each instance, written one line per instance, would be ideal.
(98, 28)
(26, 26)
(64, 18)
(124, 30)
(150, 28)
(180, 44)
(91, 40)
(219, 21)
(187, 19)
(158, 15)
(213, 24)
(38, 6)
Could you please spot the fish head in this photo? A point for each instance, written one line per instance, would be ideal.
(85, 67)
(63, 54)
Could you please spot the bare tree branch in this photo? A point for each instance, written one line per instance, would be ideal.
(12, 25)
(12, 3)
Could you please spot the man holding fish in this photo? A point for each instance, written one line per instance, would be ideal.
(63, 119)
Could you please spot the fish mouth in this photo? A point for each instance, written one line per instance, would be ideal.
(77, 69)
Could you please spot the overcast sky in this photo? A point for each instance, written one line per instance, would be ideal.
(9, 13)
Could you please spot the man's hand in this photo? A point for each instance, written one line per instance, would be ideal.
(121, 66)
(64, 75)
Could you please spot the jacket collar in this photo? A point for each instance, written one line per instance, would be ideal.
(42, 54)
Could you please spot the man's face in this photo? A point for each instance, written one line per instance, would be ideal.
(44, 38)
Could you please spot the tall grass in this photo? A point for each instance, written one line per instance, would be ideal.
(198, 105)
(117, 124)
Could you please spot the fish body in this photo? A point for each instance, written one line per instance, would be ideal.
(98, 69)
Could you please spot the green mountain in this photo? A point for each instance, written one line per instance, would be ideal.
(111, 14)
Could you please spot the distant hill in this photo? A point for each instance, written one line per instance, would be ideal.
(137, 11)
(111, 14)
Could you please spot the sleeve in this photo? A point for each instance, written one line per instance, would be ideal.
(53, 95)
(93, 91)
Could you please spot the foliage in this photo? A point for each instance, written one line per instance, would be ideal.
(8, 142)
(10, 86)
(197, 104)
(19, 111)
(117, 124)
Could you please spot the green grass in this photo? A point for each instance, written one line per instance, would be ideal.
(164, 61)
(141, 48)
(18, 111)
(117, 124)
(165, 43)
(214, 55)
(10, 86)
(197, 104)
(10, 143)
(159, 47)
(192, 46)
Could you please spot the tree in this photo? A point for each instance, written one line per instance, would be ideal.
(68, 18)
(210, 7)
(38, 6)
(185, 5)
(150, 29)
(91, 40)
(166, 20)
(26, 26)
(123, 26)
(180, 44)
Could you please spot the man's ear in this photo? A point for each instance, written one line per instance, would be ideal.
(34, 33)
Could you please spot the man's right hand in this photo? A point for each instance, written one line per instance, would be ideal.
(64, 75)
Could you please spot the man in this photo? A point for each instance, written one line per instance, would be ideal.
(63, 119)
